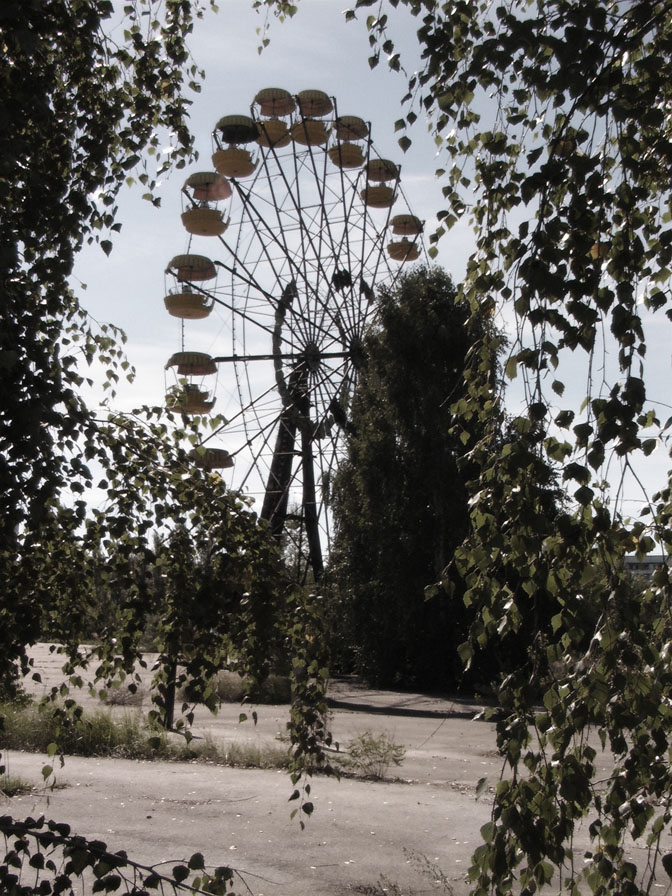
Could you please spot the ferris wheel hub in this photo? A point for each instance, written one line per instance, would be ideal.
(357, 353)
(312, 357)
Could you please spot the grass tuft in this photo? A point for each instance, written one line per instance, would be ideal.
(121, 696)
(11, 785)
(371, 755)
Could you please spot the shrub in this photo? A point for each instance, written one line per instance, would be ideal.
(232, 688)
(372, 755)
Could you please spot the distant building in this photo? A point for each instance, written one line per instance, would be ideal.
(645, 567)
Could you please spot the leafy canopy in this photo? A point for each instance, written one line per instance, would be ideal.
(554, 123)
(88, 501)
(79, 111)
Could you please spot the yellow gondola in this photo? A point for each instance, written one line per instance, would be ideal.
(274, 133)
(192, 268)
(314, 103)
(204, 221)
(192, 363)
(406, 225)
(211, 458)
(190, 400)
(403, 250)
(380, 196)
(188, 305)
(237, 129)
(207, 186)
(310, 132)
(382, 170)
(274, 101)
(234, 162)
(350, 127)
(346, 155)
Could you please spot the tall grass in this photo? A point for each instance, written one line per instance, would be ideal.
(123, 737)
(11, 785)
(96, 734)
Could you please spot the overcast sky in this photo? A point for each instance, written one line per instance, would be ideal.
(317, 49)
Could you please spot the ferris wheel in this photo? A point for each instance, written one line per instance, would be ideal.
(304, 221)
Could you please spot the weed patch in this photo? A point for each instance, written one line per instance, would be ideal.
(121, 696)
(371, 755)
(11, 785)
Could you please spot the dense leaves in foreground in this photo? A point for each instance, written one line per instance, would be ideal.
(94, 503)
(45, 857)
(79, 110)
(401, 504)
(554, 123)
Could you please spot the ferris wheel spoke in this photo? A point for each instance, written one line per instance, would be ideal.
(261, 413)
(345, 247)
(282, 228)
(250, 407)
(262, 446)
(264, 228)
(312, 227)
(257, 445)
(327, 386)
(269, 237)
(239, 312)
(302, 317)
(247, 277)
(325, 230)
(314, 275)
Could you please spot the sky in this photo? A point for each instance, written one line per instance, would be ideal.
(315, 50)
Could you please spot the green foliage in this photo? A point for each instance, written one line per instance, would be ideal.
(554, 125)
(47, 729)
(496, 650)
(235, 594)
(372, 755)
(430, 876)
(220, 600)
(281, 9)
(50, 730)
(80, 109)
(45, 857)
(309, 716)
(229, 687)
(11, 786)
(105, 508)
(400, 502)
(559, 135)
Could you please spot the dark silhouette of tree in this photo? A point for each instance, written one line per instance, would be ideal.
(400, 502)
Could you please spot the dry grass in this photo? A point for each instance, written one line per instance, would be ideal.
(124, 737)
(11, 785)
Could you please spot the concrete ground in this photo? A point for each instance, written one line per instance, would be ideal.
(360, 832)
